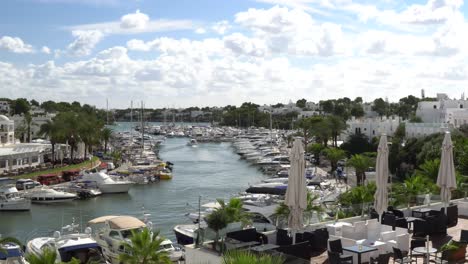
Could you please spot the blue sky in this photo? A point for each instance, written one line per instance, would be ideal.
(207, 53)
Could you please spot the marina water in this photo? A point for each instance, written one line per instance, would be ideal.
(212, 170)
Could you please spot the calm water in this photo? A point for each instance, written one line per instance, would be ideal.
(210, 170)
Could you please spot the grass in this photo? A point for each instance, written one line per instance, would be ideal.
(86, 164)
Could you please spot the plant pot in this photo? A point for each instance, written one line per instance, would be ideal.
(457, 254)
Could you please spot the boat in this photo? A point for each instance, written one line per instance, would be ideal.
(11, 253)
(46, 195)
(111, 231)
(10, 199)
(164, 174)
(84, 189)
(193, 142)
(107, 184)
(71, 244)
(24, 184)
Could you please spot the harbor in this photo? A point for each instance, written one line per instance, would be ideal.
(197, 172)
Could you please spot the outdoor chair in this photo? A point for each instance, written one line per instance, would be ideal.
(334, 258)
(381, 259)
(452, 215)
(401, 222)
(337, 247)
(464, 236)
(417, 242)
(398, 213)
(399, 258)
(282, 237)
(420, 228)
(390, 220)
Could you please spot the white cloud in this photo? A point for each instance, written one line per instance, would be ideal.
(15, 44)
(45, 50)
(84, 42)
(135, 20)
(200, 30)
(221, 27)
(135, 23)
(241, 45)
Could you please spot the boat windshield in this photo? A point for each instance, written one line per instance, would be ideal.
(128, 233)
(165, 246)
(15, 260)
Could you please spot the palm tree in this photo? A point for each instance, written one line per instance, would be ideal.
(357, 197)
(51, 131)
(4, 240)
(217, 220)
(246, 257)
(361, 164)
(334, 155)
(144, 248)
(336, 124)
(106, 134)
(48, 256)
(234, 210)
(28, 123)
(429, 168)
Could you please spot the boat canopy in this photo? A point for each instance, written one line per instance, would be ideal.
(125, 222)
(101, 219)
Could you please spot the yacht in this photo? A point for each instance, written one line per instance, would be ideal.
(71, 244)
(11, 253)
(46, 195)
(10, 200)
(111, 231)
(107, 184)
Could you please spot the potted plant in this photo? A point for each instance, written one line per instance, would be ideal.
(453, 251)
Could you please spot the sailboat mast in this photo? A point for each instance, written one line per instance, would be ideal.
(107, 111)
(142, 127)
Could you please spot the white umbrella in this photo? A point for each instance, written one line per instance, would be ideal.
(296, 193)
(446, 177)
(381, 168)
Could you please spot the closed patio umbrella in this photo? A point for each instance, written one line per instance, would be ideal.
(296, 193)
(381, 168)
(446, 178)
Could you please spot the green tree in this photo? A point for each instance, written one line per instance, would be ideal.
(217, 220)
(48, 256)
(336, 125)
(380, 106)
(357, 144)
(430, 169)
(106, 134)
(20, 106)
(406, 192)
(301, 103)
(246, 257)
(34, 102)
(313, 206)
(361, 164)
(357, 111)
(334, 155)
(144, 248)
(356, 198)
(28, 123)
(53, 134)
(234, 210)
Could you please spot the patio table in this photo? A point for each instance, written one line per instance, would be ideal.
(359, 250)
(425, 250)
(423, 212)
(264, 247)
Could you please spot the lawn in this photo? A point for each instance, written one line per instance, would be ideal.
(87, 164)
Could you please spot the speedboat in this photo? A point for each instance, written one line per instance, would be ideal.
(71, 244)
(107, 184)
(11, 253)
(10, 200)
(47, 195)
(84, 189)
(111, 231)
(193, 142)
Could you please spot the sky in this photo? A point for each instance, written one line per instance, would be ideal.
(180, 53)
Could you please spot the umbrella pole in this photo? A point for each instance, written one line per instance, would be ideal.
(293, 233)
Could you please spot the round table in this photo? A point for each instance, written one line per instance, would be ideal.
(425, 250)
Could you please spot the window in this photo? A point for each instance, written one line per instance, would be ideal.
(461, 106)
(435, 106)
(373, 132)
(114, 234)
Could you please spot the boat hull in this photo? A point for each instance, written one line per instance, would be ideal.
(24, 205)
(115, 188)
(50, 200)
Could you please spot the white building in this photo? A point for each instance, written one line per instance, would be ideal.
(372, 127)
(36, 122)
(305, 114)
(4, 107)
(15, 156)
(415, 130)
(441, 111)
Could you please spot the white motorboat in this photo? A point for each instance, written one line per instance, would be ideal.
(11, 253)
(71, 244)
(48, 195)
(107, 184)
(193, 142)
(10, 200)
(111, 231)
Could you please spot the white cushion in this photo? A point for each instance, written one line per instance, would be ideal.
(360, 230)
(348, 232)
(388, 235)
(373, 230)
